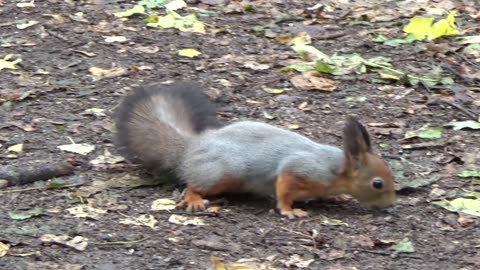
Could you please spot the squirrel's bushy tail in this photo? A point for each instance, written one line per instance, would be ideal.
(155, 122)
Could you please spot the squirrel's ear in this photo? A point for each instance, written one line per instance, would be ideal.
(356, 139)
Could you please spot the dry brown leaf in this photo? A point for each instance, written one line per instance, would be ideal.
(107, 73)
(313, 80)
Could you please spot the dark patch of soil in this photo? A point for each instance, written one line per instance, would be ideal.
(245, 227)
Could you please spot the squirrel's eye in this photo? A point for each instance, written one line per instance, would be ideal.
(377, 183)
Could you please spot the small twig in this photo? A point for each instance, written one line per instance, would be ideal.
(470, 114)
(119, 242)
(39, 188)
(185, 213)
(59, 36)
(331, 36)
(378, 252)
(467, 60)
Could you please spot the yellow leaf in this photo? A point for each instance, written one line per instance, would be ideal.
(418, 27)
(301, 38)
(4, 249)
(444, 27)
(163, 204)
(5, 63)
(389, 76)
(16, 148)
(189, 52)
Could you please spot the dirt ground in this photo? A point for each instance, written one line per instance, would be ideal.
(52, 112)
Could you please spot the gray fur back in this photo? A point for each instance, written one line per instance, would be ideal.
(256, 153)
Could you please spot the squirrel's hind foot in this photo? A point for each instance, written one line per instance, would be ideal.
(192, 201)
(294, 213)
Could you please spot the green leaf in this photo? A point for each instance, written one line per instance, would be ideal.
(472, 49)
(391, 42)
(323, 68)
(302, 67)
(464, 124)
(138, 9)
(172, 19)
(469, 39)
(35, 212)
(268, 116)
(405, 246)
(469, 173)
(463, 205)
(396, 42)
(425, 132)
(303, 49)
(431, 133)
(380, 39)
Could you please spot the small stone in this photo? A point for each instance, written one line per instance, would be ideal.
(436, 193)
(3, 183)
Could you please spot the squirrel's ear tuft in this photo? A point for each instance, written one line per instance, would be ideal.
(356, 138)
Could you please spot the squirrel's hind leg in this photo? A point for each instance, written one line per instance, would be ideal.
(194, 197)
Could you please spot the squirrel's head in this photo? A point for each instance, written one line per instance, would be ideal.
(370, 180)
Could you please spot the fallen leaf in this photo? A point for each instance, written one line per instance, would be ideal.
(172, 19)
(77, 242)
(404, 246)
(362, 241)
(424, 132)
(293, 126)
(111, 39)
(35, 212)
(312, 80)
(107, 158)
(4, 249)
(142, 220)
(255, 66)
(175, 5)
(463, 205)
(22, 26)
(137, 9)
(96, 111)
(295, 261)
(471, 124)
(17, 148)
(99, 73)
(301, 38)
(86, 211)
(184, 220)
(268, 116)
(423, 28)
(469, 173)
(5, 63)
(30, 4)
(77, 148)
(324, 220)
(163, 204)
(189, 52)
(273, 90)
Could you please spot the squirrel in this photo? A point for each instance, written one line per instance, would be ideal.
(174, 128)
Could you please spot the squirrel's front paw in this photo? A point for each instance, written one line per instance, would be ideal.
(293, 213)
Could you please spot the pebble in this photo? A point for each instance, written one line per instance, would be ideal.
(3, 183)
